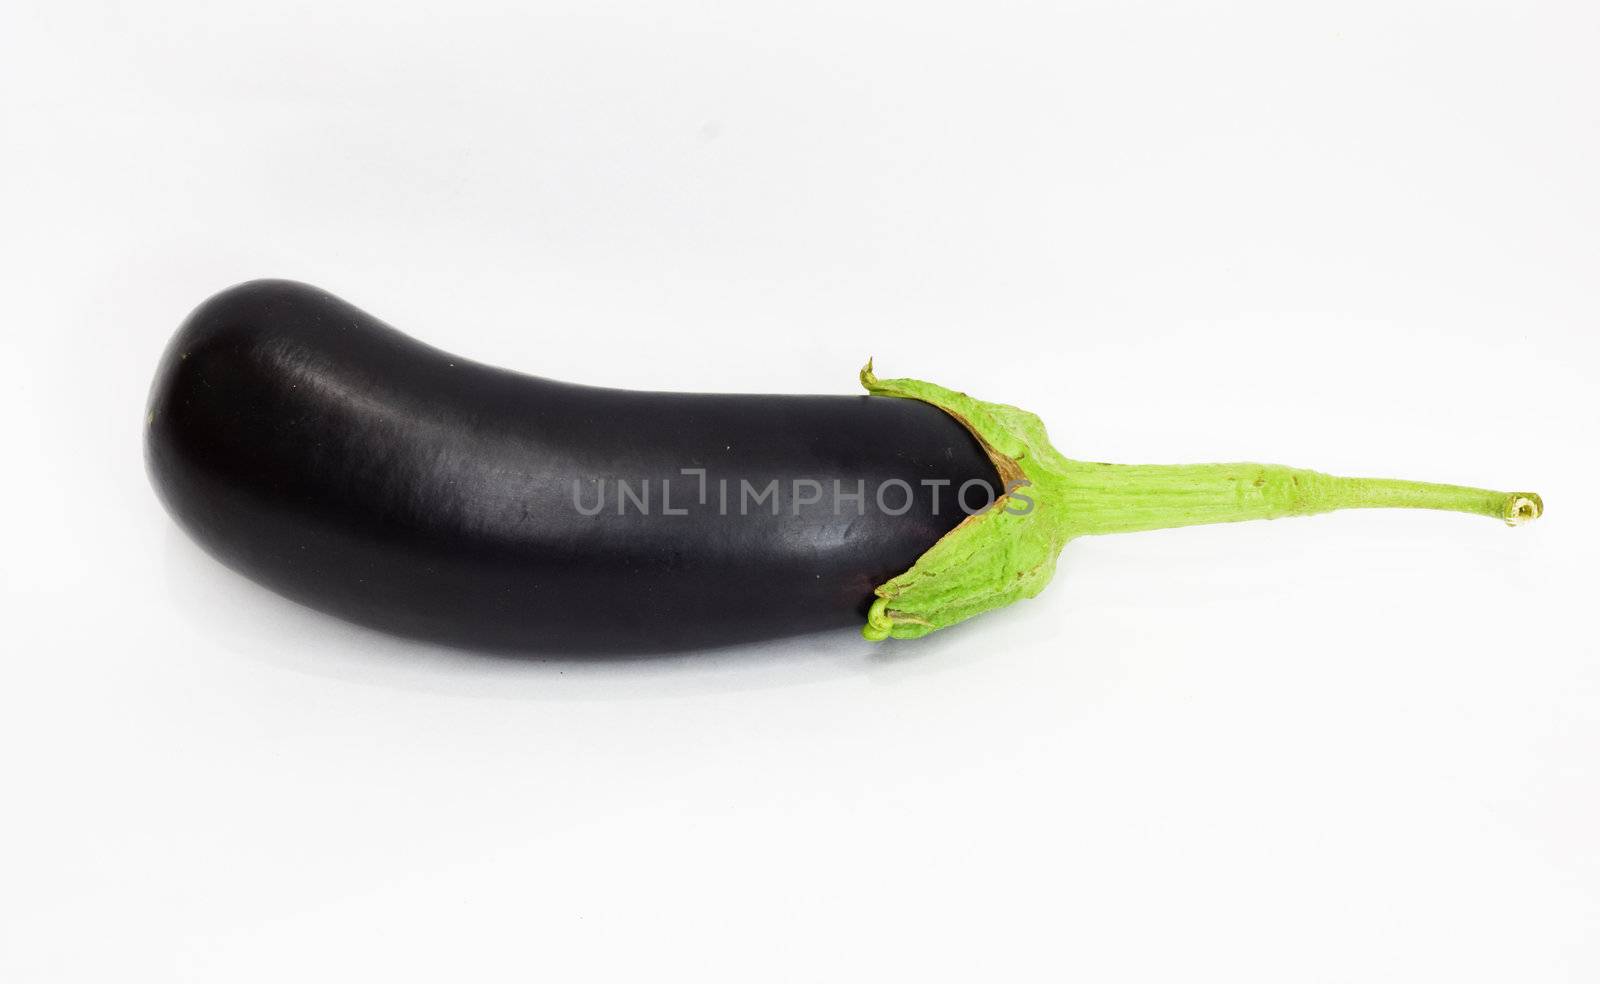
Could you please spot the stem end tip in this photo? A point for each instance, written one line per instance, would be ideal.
(1523, 507)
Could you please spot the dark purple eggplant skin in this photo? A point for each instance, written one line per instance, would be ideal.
(358, 471)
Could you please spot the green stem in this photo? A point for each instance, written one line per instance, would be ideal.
(1009, 552)
(1101, 498)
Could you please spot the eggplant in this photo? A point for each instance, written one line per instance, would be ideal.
(317, 450)
(354, 469)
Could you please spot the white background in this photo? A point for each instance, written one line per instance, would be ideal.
(1355, 236)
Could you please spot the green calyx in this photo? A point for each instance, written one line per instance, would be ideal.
(1008, 552)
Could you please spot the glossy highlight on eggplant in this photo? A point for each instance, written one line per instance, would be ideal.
(350, 467)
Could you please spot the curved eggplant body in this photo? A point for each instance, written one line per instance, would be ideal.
(345, 465)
